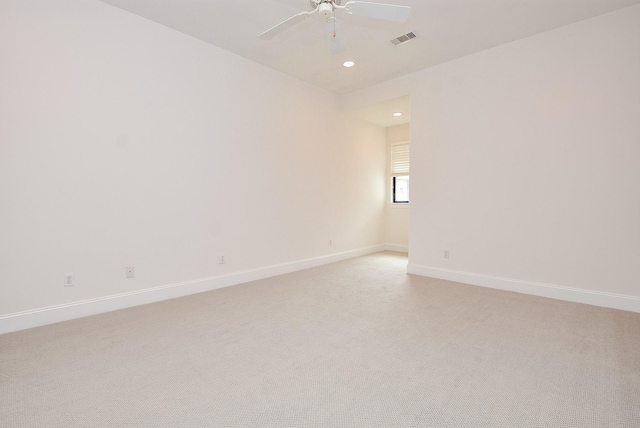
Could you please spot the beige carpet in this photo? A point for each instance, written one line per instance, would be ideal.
(354, 344)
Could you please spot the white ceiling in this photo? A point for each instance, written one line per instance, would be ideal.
(446, 29)
(382, 113)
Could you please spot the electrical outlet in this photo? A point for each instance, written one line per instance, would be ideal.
(330, 242)
(446, 254)
(129, 272)
(221, 260)
(68, 280)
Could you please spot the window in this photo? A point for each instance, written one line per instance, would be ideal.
(400, 173)
(401, 189)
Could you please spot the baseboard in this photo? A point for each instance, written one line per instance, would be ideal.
(396, 247)
(52, 314)
(578, 295)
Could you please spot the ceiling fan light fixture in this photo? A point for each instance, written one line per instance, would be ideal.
(348, 64)
(325, 9)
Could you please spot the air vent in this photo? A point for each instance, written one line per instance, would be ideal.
(403, 39)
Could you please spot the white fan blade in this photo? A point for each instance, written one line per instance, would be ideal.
(389, 12)
(335, 42)
(284, 25)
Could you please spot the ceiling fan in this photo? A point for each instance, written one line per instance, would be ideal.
(327, 8)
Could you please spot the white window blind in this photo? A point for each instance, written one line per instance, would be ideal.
(400, 159)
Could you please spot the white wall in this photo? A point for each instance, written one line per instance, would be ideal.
(123, 142)
(396, 229)
(525, 163)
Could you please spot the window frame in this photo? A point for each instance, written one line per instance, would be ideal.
(398, 168)
(393, 189)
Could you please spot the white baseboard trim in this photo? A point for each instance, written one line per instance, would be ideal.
(396, 247)
(53, 314)
(578, 295)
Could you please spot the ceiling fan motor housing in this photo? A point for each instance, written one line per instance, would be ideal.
(315, 3)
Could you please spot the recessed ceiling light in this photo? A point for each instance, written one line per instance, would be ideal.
(348, 64)
(398, 114)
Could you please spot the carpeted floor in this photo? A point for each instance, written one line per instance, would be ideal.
(354, 344)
